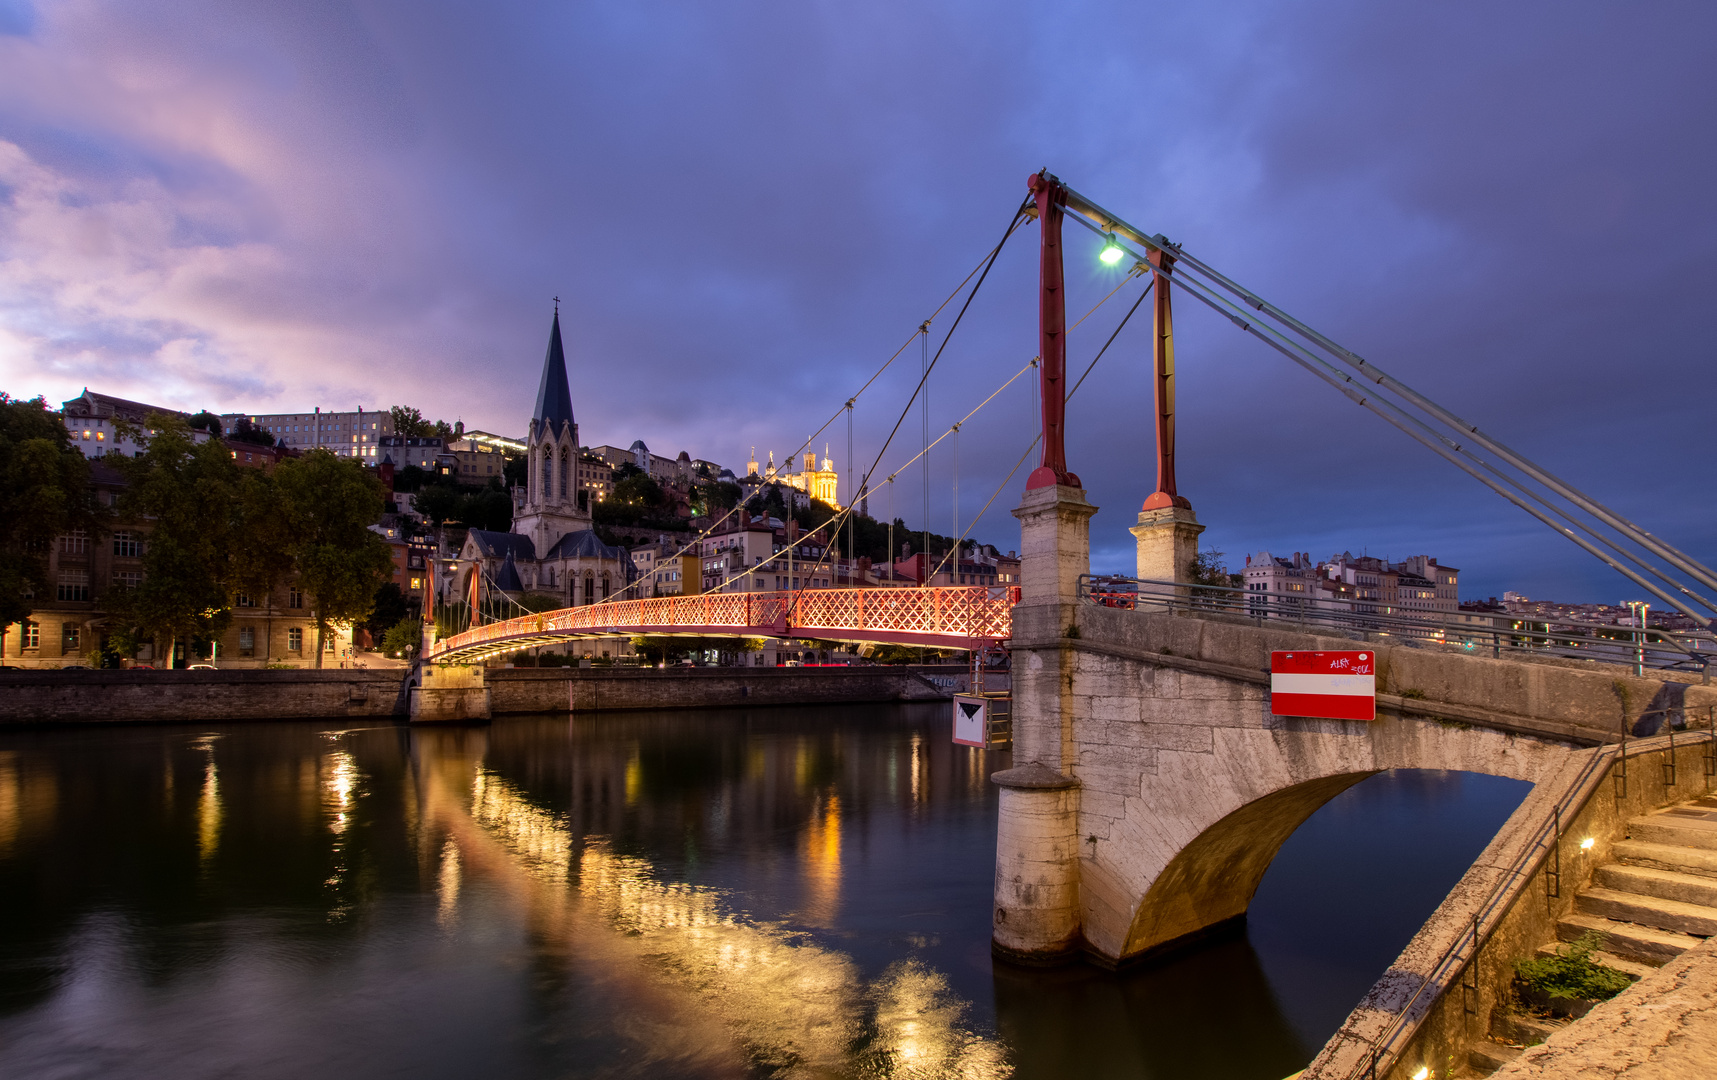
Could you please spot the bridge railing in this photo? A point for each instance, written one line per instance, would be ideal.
(1479, 631)
(951, 615)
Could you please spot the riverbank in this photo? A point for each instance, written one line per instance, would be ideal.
(82, 697)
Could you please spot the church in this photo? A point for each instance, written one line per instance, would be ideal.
(552, 549)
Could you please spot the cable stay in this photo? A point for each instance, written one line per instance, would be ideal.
(1609, 536)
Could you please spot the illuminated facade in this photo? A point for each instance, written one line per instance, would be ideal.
(821, 484)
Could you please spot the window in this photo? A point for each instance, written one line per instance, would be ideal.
(328, 643)
(74, 585)
(126, 545)
(243, 600)
(246, 639)
(417, 583)
(295, 639)
(127, 579)
(69, 637)
(32, 634)
(294, 598)
(75, 542)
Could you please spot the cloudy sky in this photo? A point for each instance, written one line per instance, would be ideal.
(746, 207)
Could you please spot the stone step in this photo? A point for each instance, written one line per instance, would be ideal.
(1683, 860)
(1663, 884)
(1487, 1057)
(1674, 829)
(1633, 969)
(1630, 942)
(1695, 919)
(1519, 1029)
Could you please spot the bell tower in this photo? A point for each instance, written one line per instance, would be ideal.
(548, 506)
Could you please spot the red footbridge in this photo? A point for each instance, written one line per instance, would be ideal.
(953, 617)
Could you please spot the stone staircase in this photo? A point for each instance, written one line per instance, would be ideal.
(1656, 901)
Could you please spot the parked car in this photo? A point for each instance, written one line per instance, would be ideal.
(141, 667)
(74, 667)
(201, 667)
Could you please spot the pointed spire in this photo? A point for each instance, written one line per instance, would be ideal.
(554, 398)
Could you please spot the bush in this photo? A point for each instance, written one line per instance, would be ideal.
(407, 633)
(1573, 974)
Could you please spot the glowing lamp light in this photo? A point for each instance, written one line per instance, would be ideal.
(1423, 1073)
(1586, 844)
(1112, 252)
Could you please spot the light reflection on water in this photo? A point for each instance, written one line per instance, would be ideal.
(799, 1009)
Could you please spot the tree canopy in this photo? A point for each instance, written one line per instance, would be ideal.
(341, 563)
(44, 491)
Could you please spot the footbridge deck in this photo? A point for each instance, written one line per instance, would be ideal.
(955, 617)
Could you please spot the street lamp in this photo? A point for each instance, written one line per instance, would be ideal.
(1112, 252)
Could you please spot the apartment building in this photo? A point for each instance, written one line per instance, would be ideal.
(357, 433)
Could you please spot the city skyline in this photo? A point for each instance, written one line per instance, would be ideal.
(744, 213)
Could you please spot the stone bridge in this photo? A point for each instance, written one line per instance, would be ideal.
(1152, 787)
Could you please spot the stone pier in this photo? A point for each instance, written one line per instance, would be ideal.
(1036, 917)
(451, 694)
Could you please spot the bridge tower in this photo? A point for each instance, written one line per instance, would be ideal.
(1036, 917)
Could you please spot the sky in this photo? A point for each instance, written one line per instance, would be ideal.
(746, 208)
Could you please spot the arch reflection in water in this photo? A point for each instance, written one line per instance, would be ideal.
(797, 1008)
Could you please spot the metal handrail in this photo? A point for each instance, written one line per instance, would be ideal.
(1649, 647)
(1603, 756)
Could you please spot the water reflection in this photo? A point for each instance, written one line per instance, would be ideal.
(780, 892)
(797, 1008)
(208, 802)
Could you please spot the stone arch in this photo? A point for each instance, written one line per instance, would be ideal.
(1211, 879)
(1210, 882)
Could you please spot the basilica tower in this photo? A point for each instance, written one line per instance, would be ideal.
(549, 506)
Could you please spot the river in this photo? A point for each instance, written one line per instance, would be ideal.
(736, 893)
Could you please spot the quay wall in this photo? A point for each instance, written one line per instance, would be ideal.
(71, 697)
(1436, 1000)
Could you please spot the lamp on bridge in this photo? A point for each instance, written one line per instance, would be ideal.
(1112, 252)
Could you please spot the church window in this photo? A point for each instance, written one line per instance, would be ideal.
(589, 587)
(561, 493)
(605, 586)
(548, 474)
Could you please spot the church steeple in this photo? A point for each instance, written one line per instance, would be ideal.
(554, 397)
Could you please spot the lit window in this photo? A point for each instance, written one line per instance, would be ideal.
(32, 635)
(295, 639)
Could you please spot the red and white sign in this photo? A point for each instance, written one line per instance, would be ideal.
(1337, 685)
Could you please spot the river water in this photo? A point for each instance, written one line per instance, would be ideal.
(779, 892)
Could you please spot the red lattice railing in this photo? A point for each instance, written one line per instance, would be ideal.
(958, 617)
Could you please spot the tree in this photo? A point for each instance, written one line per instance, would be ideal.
(388, 608)
(513, 470)
(245, 432)
(209, 422)
(409, 422)
(490, 508)
(639, 490)
(403, 635)
(262, 555)
(439, 503)
(341, 563)
(44, 491)
(409, 479)
(188, 492)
